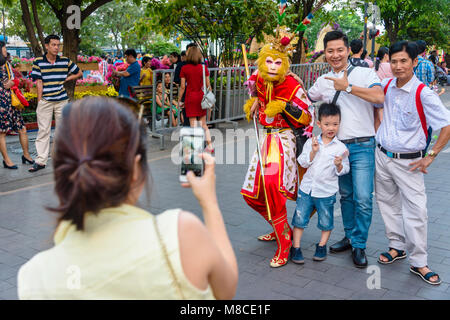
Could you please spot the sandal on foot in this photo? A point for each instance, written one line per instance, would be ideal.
(426, 277)
(400, 255)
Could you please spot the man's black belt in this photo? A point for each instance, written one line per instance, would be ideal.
(356, 140)
(413, 155)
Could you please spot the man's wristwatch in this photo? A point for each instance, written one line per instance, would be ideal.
(349, 89)
(431, 153)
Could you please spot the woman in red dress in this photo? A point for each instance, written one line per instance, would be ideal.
(192, 74)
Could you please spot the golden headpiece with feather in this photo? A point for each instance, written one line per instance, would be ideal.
(283, 41)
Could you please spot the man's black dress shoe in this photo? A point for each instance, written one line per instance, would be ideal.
(340, 246)
(359, 258)
(36, 166)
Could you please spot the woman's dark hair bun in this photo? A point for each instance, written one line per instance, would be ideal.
(95, 149)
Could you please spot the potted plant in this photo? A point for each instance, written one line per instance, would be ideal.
(88, 63)
(89, 84)
(29, 113)
(22, 64)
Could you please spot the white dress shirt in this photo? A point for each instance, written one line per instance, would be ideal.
(401, 130)
(321, 178)
(357, 115)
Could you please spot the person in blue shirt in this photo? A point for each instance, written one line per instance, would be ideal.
(118, 60)
(424, 70)
(131, 76)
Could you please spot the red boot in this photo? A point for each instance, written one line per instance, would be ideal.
(283, 234)
(268, 237)
(260, 207)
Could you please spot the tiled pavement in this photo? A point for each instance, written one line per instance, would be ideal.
(26, 228)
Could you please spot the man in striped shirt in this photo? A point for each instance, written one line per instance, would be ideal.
(50, 73)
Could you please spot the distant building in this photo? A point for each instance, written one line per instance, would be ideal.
(17, 47)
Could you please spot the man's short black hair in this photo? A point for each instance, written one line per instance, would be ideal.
(335, 35)
(356, 45)
(51, 37)
(329, 109)
(183, 53)
(410, 47)
(131, 52)
(421, 45)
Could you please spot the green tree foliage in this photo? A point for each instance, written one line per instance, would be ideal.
(349, 22)
(428, 20)
(116, 22)
(228, 22)
(296, 11)
(161, 47)
(16, 27)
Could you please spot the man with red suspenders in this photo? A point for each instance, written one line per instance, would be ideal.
(410, 107)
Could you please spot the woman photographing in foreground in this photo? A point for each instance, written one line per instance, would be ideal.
(118, 250)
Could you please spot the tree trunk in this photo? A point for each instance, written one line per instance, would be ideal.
(307, 7)
(297, 57)
(390, 32)
(37, 23)
(26, 18)
(71, 37)
(116, 41)
(70, 49)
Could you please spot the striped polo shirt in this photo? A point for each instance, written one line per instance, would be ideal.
(53, 76)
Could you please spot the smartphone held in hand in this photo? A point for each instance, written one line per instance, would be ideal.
(192, 142)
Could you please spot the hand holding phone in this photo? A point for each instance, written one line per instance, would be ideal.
(203, 188)
(192, 142)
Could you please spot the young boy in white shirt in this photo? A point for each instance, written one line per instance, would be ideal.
(326, 158)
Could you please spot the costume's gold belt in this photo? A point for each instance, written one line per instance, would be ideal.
(270, 130)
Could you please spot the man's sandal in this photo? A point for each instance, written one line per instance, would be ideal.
(426, 277)
(400, 255)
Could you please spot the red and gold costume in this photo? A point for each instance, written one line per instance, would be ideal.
(278, 148)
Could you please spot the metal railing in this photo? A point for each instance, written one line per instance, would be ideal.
(228, 87)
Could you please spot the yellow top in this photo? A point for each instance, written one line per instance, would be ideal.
(117, 256)
(148, 77)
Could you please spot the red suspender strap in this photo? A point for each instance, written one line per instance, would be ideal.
(387, 86)
(419, 106)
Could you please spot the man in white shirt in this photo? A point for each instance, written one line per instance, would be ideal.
(326, 158)
(410, 108)
(359, 88)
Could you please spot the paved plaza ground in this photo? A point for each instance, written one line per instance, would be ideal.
(26, 228)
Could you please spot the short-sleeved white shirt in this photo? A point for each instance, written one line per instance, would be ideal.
(401, 130)
(357, 115)
(321, 178)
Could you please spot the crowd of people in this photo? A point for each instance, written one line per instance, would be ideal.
(430, 69)
(375, 119)
(133, 69)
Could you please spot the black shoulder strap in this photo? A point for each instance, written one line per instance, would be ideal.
(287, 121)
(336, 96)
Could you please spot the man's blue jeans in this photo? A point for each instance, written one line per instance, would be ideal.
(356, 190)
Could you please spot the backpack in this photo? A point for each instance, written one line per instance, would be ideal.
(428, 131)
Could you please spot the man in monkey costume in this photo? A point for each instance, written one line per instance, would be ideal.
(274, 93)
